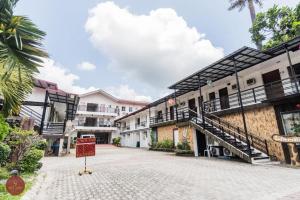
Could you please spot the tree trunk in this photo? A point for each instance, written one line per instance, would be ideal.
(253, 16)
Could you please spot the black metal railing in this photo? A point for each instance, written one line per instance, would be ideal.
(142, 124)
(182, 114)
(277, 89)
(238, 133)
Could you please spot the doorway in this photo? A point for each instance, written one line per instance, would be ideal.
(192, 107)
(102, 138)
(175, 137)
(201, 142)
(273, 90)
(172, 113)
(224, 99)
(212, 103)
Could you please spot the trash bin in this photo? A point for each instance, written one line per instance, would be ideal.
(138, 144)
(55, 149)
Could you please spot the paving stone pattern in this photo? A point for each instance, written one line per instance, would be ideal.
(137, 174)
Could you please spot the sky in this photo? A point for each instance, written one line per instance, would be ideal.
(135, 49)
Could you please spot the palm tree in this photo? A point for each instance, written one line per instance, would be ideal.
(21, 54)
(241, 4)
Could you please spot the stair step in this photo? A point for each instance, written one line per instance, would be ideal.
(255, 154)
(261, 158)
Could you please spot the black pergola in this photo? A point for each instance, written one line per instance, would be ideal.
(71, 101)
(239, 60)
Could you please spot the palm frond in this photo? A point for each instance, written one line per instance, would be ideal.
(234, 4)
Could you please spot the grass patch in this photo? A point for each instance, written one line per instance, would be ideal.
(29, 179)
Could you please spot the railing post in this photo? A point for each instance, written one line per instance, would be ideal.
(267, 149)
(44, 112)
(254, 96)
(176, 112)
(241, 106)
(292, 68)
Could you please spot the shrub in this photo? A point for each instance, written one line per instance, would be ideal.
(30, 162)
(180, 152)
(21, 141)
(3, 174)
(165, 144)
(11, 166)
(184, 146)
(117, 141)
(4, 153)
(4, 128)
(41, 145)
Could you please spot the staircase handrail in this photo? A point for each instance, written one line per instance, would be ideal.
(256, 142)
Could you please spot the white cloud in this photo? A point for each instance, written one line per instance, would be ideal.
(66, 81)
(56, 73)
(86, 66)
(157, 49)
(124, 92)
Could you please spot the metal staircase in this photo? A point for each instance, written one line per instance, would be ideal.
(247, 146)
(30, 113)
(51, 128)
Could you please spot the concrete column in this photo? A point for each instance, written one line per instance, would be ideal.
(60, 150)
(69, 144)
(195, 142)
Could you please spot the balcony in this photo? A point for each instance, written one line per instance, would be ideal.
(261, 94)
(183, 114)
(101, 126)
(141, 125)
(97, 111)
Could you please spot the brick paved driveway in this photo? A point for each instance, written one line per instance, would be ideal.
(122, 173)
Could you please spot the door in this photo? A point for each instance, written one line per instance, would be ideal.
(224, 99)
(172, 113)
(212, 103)
(201, 143)
(192, 107)
(273, 85)
(175, 137)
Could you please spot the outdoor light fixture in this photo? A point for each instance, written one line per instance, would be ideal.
(209, 82)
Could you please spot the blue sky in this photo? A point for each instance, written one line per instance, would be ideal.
(123, 62)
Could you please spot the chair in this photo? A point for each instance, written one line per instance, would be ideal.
(207, 151)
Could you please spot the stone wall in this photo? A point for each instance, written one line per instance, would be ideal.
(166, 132)
(262, 123)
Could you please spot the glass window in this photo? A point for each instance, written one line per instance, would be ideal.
(291, 122)
(123, 108)
(130, 109)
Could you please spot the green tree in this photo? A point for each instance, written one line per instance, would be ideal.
(241, 4)
(21, 54)
(276, 25)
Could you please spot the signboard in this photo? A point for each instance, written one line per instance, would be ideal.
(286, 139)
(171, 102)
(15, 185)
(85, 147)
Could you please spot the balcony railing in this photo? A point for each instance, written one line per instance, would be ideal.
(100, 124)
(142, 124)
(270, 91)
(183, 114)
(99, 109)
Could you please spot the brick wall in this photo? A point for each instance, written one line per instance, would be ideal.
(166, 132)
(262, 123)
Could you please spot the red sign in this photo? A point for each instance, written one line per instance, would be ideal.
(85, 147)
(171, 101)
(15, 185)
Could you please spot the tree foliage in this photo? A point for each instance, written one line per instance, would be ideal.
(276, 25)
(21, 54)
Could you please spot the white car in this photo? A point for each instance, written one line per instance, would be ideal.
(87, 136)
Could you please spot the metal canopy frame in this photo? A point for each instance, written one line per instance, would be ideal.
(244, 58)
(224, 67)
(70, 100)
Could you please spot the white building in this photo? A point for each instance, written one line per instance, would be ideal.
(97, 112)
(134, 128)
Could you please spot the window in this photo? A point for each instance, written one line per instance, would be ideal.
(123, 108)
(130, 109)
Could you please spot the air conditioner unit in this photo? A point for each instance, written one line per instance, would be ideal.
(251, 81)
(215, 151)
(226, 152)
